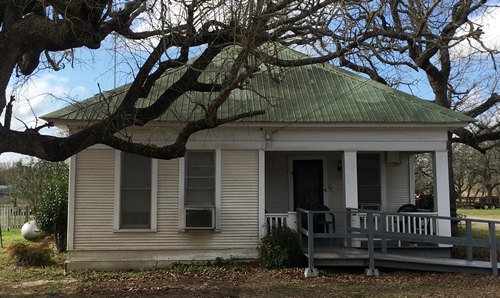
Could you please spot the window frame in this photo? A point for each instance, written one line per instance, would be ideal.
(117, 200)
(216, 208)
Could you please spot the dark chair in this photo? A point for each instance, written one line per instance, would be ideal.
(320, 221)
(408, 208)
(418, 226)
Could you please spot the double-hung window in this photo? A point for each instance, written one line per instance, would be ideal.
(135, 192)
(200, 190)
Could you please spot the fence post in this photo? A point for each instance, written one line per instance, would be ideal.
(371, 271)
(468, 234)
(310, 271)
(493, 249)
(8, 219)
(383, 229)
(292, 220)
(27, 214)
(348, 227)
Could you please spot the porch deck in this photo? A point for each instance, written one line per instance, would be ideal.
(377, 228)
(358, 257)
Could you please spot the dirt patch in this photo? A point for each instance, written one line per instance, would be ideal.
(254, 282)
(39, 288)
(251, 281)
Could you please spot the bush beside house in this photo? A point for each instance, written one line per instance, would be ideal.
(280, 248)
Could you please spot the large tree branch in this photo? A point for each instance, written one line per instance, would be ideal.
(485, 106)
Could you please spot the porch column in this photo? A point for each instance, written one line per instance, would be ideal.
(350, 168)
(350, 179)
(441, 190)
(262, 194)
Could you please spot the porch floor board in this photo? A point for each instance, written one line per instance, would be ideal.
(342, 256)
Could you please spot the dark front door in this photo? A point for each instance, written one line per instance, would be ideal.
(307, 183)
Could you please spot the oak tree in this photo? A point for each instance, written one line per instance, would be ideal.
(42, 34)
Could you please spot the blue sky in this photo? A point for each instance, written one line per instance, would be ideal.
(95, 71)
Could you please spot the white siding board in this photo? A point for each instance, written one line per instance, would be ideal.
(94, 193)
(94, 206)
(397, 184)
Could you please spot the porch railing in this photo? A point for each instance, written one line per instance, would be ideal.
(276, 220)
(370, 225)
(420, 223)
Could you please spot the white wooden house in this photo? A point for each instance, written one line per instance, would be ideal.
(328, 137)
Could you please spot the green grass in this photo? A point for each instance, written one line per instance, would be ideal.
(11, 237)
(14, 273)
(478, 232)
(479, 253)
(484, 213)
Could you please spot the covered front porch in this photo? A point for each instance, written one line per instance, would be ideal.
(336, 181)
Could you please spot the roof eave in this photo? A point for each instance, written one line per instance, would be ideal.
(449, 125)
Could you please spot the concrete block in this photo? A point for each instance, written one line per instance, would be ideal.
(311, 272)
(372, 272)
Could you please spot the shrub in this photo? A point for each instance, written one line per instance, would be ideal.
(31, 255)
(52, 205)
(279, 249)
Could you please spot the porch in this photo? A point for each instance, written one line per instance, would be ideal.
(335, 180)
(377, 227)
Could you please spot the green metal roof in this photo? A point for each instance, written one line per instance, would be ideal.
(319, 93)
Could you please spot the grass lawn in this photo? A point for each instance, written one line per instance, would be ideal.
(234, 279)
(479, 231)
(13, 273)
(493, 214)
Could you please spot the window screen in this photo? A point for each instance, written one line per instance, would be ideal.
(200, 178)
(135, 192)
(369, 189)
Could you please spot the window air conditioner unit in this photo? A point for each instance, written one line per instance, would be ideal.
(200, 218)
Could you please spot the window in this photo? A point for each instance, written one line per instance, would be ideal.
(199, 195)
(200, 190)
(135, 192)
(369, 188)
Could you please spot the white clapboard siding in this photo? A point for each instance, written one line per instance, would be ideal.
(94, 206)
(94, 191)
(397, 184)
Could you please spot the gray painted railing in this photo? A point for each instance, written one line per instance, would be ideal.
(381, 231)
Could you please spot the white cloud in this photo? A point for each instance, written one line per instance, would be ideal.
(41, 95)
(491, 34)
(36, 97)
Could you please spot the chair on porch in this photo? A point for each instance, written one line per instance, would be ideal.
(413, 225)
(321, 222)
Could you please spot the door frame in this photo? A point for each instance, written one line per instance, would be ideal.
(291, 159)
